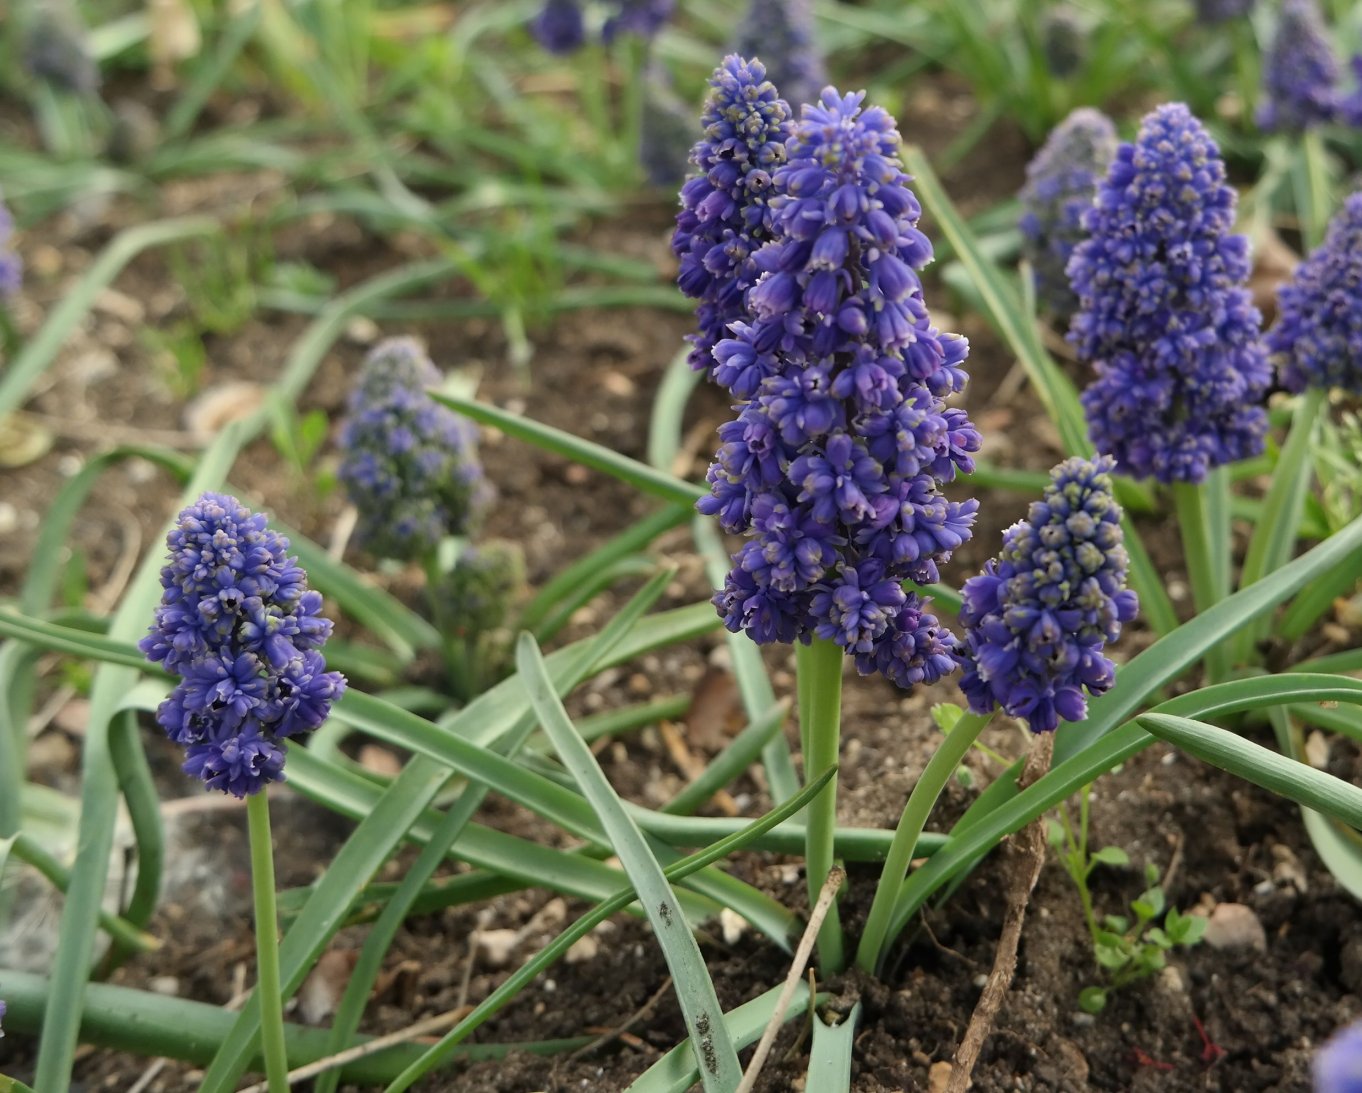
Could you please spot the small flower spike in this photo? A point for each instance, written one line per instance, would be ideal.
(239, 626)
(1317, 338)
(410, 465)
(1164, 313)
(835, 464)
(725, 214)
(1061, 185)
(1038, 617)
(1300, 72)
(781, 33)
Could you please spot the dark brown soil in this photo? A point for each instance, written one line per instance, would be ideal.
(1215, 839)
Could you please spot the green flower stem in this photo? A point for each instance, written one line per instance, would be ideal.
(267, 944)
(1315, 197)
(460, 672)
(1194, 514)
(819, 667)
(943, 763)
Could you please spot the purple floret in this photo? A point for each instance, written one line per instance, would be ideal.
(781, 33)
(239, 626)
(1038, 617)
(1317, 338)
(11, 267)
(410, 465)
(1164, 315)
(1300, 72)
(1061, 184)
(834, 466)
(1338, 1066)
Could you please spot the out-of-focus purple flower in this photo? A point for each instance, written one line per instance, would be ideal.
(2, 1017)
(559, 26)
(725, 215)
(1038, 617)
(668, 131)
(1210, 12)
(1163, 313)
(1338, 1066)
(410, 464)
(11, 266)
(834, 466)
(1317, 338)
(1061, 184)
(55, 48)
(1300, 72)
(644, 18)
(240, 627)
(781, 33)
(1064, 41)
(1351, 107)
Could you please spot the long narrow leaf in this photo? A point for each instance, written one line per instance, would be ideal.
(714, 1051)
(1262, 766)
(831, 1054)
(642, 477)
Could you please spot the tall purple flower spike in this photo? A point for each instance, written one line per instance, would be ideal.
(1038, 617)
(1300, 72)
(1164, 315)
(834, 465)
(239, 626)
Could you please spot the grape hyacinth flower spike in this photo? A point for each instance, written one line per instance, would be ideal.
(1300, 72)
(410, 465)
(1316, 342)
(1164, 315)
(1061, 184)
(239, 626)
(725, 215)
(782, 34)
(1338, 1066)
(1038, 617)
(834, 468)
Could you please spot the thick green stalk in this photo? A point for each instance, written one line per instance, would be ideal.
(943, 763)
(1198, 544)
(267, 944)
(820, 716)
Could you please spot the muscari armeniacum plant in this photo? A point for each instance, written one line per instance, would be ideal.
(1061, 184)
(1168, 324)
(243, 632)
(411, 469)
(834, 466)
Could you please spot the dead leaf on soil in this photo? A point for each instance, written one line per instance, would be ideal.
(715, 712)
(322, 989)
(218, 407)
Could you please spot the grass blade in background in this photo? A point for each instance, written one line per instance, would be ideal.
(714, 1051)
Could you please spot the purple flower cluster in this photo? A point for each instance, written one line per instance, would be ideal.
(11, 267)
(241, 628)
(1061, 183)
(1163, 312)
(410, 465)
(1317, 339)
(1300, 72)
(781, 33)
(1038, 617)
(560, 26)
(1338, 1066)
(834, 466)
(725, 215)
(2, 1017)
(1210, 12)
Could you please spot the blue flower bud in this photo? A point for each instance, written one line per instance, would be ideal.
(409, 464)
(1038, 617)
